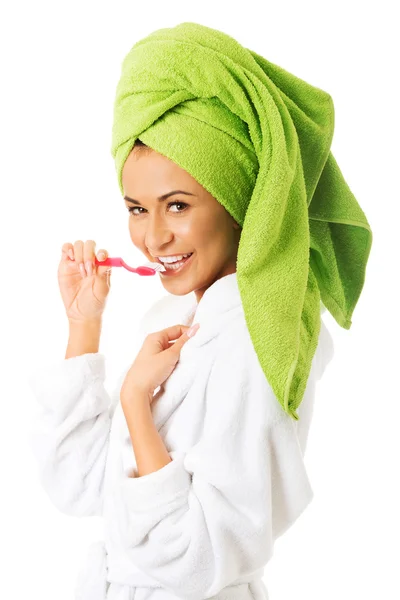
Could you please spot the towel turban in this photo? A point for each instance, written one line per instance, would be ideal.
(258, 139)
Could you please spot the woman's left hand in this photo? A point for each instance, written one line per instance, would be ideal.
(155, 362)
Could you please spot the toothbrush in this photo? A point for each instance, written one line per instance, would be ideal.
(149, 269)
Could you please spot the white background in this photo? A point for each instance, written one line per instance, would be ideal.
(60, 63)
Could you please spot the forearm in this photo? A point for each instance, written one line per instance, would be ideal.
(148, 446)
(84, 338)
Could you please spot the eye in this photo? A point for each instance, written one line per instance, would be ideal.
(132, 208)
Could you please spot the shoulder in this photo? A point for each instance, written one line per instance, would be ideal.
(237, 367)
(237, 375)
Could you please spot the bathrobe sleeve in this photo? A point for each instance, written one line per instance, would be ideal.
(69, 433)
(204, 520)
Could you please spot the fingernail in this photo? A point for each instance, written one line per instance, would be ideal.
(89, 267)
(71, 254)
(101, 256)
(82, 269)
(193, 329)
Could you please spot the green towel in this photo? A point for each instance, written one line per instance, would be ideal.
(258, 139)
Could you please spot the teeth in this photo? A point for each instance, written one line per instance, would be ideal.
(174, 266)
(173, 259)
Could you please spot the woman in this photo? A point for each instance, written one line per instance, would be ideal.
(197, 481)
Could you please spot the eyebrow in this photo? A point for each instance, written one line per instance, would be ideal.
(161, 198)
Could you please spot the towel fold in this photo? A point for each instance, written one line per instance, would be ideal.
(258, 139)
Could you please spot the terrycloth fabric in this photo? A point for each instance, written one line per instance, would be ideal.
(205, 524)
(258, 139)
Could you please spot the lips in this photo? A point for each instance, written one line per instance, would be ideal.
(175, 271)
(175, 262)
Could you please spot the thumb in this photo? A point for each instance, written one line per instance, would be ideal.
(191, 331)
(104, 271)
(176, 347)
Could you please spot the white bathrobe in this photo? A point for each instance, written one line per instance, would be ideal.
(204, 525)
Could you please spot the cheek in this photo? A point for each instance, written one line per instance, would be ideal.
(201, 232)
(136, 234)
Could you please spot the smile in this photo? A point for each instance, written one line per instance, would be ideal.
(173, 269)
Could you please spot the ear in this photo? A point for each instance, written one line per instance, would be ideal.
(235, 225)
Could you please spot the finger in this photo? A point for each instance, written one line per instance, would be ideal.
(165, 338)
(102, 254)
(78, 252)
(68, 251)
(177, 346)
(88, 256)
(170, 333)
(104, 270)
(107, 275)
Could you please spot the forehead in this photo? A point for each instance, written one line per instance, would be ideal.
(152, 174)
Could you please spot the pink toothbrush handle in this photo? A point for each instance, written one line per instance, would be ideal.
(110, 262)
(117, 261)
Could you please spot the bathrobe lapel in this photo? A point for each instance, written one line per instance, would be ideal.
(218, 306)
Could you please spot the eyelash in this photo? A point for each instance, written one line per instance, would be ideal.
(131, 208)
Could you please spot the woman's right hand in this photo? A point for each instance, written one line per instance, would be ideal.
(84, 292)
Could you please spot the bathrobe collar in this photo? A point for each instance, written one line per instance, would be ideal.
(219, 304)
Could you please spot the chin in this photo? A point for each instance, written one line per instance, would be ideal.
(179, 290)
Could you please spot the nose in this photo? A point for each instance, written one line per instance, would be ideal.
(157, 233)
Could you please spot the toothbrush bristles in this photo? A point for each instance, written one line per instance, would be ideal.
(155, 266)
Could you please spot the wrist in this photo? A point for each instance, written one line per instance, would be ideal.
(85, 324)
(136, 395)
(83, 338)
